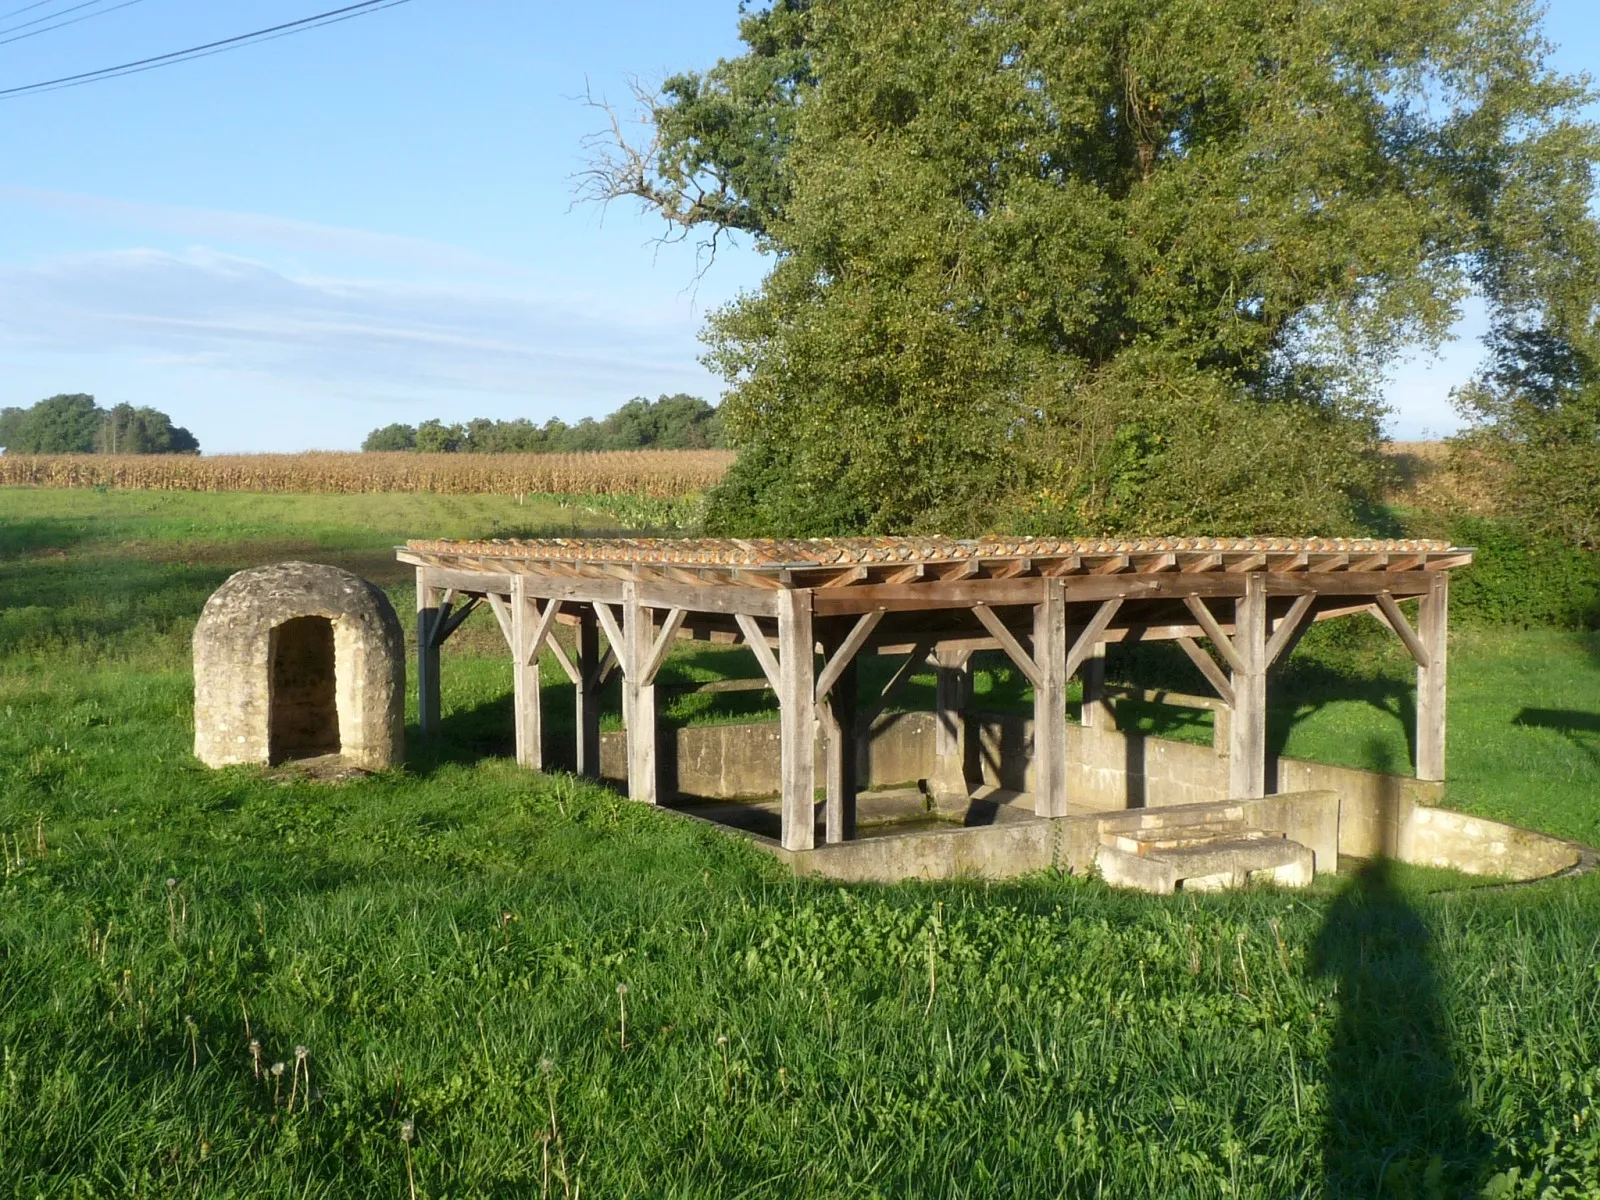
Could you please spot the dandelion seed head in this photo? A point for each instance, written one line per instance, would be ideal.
(546, 1066)
(277, 1068)
(171, 882)
(408, 1130)
(622, 989)
(300, 1053)
(722, 1039)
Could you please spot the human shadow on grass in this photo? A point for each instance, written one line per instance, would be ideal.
(1397, 1122)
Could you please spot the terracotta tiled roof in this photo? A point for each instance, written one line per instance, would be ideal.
(813, 552)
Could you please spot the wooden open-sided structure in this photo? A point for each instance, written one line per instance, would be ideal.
(808, 609)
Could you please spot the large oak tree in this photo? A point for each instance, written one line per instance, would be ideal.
(1096, 264)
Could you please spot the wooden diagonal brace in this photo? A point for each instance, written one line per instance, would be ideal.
(1214, 674)
(1396, 621)
(1008, 643)
(1285, 634)
(757, 641)
(845, 654)
(501, 605)
(608, 622)
(449, 622)
(918, 656)
(1087, 640)
(663, 644)
(600, 674)
(1220, 640)
(567, 665)
(542, 630)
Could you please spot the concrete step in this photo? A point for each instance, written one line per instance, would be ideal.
(1135, 820)
(1182, 836)
(1210, 866)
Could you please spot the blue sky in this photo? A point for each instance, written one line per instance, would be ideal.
(291, 244)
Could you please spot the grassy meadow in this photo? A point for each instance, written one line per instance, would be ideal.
(483, 982)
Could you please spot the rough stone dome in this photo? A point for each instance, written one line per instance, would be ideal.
(296, 661)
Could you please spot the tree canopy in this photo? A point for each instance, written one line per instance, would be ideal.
(1107, 264)
(75, 424)
(677, 422)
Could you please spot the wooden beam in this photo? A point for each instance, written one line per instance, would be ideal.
(1113, 564)
(528, 627)
(1330, 562)
(844, 578)
(1434, 629)
(1096, 712)
(1288, 562)
(952, 695)
(1247, 749)
(568, 667)
(906, 574)
(837, 713)
(614, 636)
(1284, 634)
(797, 724)
(845, 653)
(1199, 563)
(427, 653)
(501, 607)
(1008, 642)
(1208, 667)
(1154, 564)
(1370, 562)
(662, 646)
(639, 696)
(756, 639)
(949, 573)
(919, 655)
(1093, 634)
(1220, 640)
(1446, 562)
(1396, 621)
(1012, 568)
(1250, 562)
(450, 621)
(1050, 702)
(586, 691)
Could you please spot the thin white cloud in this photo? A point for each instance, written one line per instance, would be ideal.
(257, 229)
(358, 337)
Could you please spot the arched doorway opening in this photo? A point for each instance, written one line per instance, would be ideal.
(304, 719)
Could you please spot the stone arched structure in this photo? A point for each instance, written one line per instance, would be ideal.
(295, 661)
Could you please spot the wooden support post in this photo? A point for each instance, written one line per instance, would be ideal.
(797, 724)
(1433, 631)
(1097, 712)
(1050, 702)
(1247, 749)
(638, 632)
(428, 617)
(952, 695)
(838, 713)
(586, 689)
(526, 627)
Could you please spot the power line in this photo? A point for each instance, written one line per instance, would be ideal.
(331, 17)
(52, 16)
(63, 24)
(27, 8)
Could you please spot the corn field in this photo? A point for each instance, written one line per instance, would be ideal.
(653, 474)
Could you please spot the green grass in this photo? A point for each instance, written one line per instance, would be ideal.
(448, 942)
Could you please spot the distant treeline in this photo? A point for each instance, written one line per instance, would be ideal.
(679, 422)
(75, 424)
